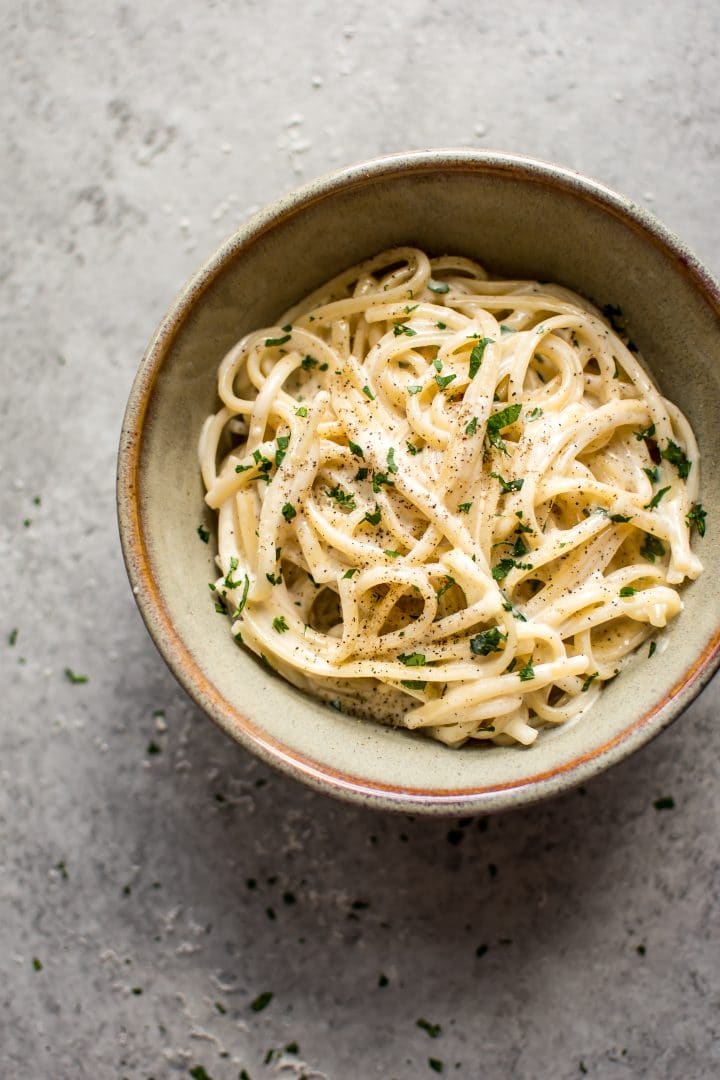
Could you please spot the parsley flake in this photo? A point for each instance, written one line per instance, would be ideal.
(677, 457)
(203, 534)
(433, 1030)
(652, 548)
(308, 362)
(271, 341)
(487, 642)
(588, 682)
(344, 499)
(289, 512)
(355, 449)
(696, 517)
(301, 411)
(402, 328)
(374, 517)
(646, 433)
(525, 674)
(280, 625)
(445, 380)
(415, 388)
(465, 507)
(349, 573)
(368, 393)
(627, 590)
(508, 485)
(471, 427)
(476, 356)
(414, 659)
(654, 502)
(261, 1001)
(392, 467)
(666, 803)
(73, 677)
(413, 684)
(438, 286)
(500, 420)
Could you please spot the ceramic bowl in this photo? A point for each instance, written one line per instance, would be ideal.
(519, 217)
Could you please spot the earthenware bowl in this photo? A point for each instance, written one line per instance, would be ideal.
(520, 218)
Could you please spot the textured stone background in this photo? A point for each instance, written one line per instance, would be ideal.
(148, 898)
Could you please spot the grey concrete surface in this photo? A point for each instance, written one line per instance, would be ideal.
(154, 879)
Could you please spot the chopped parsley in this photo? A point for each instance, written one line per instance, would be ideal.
(438, 286)
(535, 413)
(433, 1030)
(243, 599)
(445, 380)
(508, 485)
(323, 367)
(362, 474)
(356, 450)
(277, 340)
(228, 580)
(503, 568)
(651, 650)
(437, 364)
(677, 457)
(12, 637)
(449, 582)
(374, 518)
(349, 573)
(464, 508)
(525, 674)
(37, 964)
(261, 1001)
(471, 427)
(646, 433)
(280, 624)
(203, 534)
(344, 499)
(666, 803)
(500, 420)
(654, 502)
(441, 325)
(274, 579)
(504, 329)
(368, 393)
(413, 684)
(283, 441)
(653, 474)
(652, 548)
(413, 659)
(402, 328)
(380, 478)
(412, 449)
(436, 1064)
(73, 677)
(391, 554)
(507, 606)
(487, 642)
(392, 467)
(289, 512)
(620, 519)
(242, 468)
(301, 411)
(696, 517)
(476, 356)
(415, 388)
(308, 362)
(627, 590)
(588, 682)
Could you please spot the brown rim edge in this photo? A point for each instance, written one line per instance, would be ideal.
(156, 617)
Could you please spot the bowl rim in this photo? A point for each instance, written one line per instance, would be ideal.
(158, 621)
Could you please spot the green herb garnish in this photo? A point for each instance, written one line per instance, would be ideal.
(503, 568)
(73, 677)
(677, 457)
(500, 420)
(413, 684)
(652, 505)
(445, 380)
(344, 499)
(391, 554)
(12, 637)
(586, 685)
(651, 650)
(356, 450)
(449, 582)
(620, 519)
(652, 548)
(402, 328)
(646, 433)
(203, 534)
(476, 356)
(627, 590)
(349, 573)
(465, 507)
(487, 642)
(368, 393)
(243, 599)
(415, 388)
(508, 485)
(414, 659)
(374, 517)
(279, 624)
(653, 474)
(289, 512)
(471, 427)
(525, 674)
(696, 517)
(301, 411)
(666, 803)
(438, 286)
(308, 362)
(433, 1030)
(277, 340)
(392, 467)
(261, 1001)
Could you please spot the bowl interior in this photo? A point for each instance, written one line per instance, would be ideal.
(518, 219)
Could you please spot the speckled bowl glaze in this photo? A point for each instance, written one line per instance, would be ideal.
(520, 218)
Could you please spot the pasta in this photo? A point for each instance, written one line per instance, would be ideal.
(445, 501)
